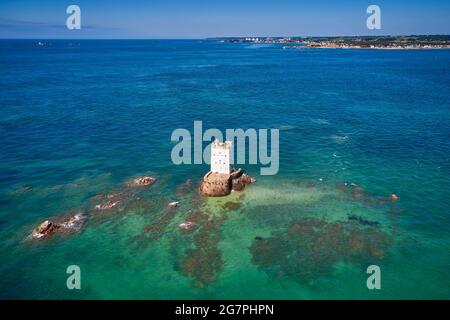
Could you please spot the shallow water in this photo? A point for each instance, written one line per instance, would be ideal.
(77, 121)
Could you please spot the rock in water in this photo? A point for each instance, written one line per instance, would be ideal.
(107, 205)
(215, 184)
(46, 226)
(67, 224)
(44, 229)
(173, 204)
(394, 197)
(188, 225)
(220, 184)
(142, 181)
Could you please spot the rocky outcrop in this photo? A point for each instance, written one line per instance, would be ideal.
(67, 224)
(394, 197)
(45, 229)
(107, 205)
(173, 204)
(215, 185)
(219, 184)
(142, 181)
(188, 226)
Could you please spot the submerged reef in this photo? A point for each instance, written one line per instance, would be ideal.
(116, 201)
(156, 228)
(98, 206)
(362, 221)
(356, 192)
(308, 248)
(203, 261)
(303, 248)
(184, 189)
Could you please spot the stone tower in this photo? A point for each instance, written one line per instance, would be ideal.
(221, 157)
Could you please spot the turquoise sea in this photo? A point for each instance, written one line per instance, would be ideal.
(80, 118)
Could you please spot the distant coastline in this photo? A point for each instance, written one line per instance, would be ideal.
(411, 42)
(367, 48)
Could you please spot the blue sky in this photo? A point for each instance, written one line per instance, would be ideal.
(212, 18)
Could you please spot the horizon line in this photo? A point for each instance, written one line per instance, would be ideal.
(220, 37)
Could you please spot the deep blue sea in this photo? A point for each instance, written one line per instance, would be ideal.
(80, 118)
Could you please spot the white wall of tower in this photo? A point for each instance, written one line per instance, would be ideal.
(220, 157)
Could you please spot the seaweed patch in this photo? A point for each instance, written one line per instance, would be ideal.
(203, 261)
(309, 248)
